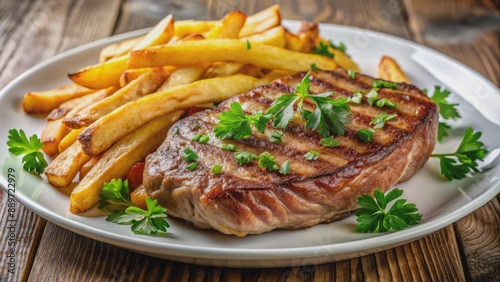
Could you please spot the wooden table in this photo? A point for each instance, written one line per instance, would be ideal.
(467, 30)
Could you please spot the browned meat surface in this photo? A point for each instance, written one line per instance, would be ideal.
(247, 199)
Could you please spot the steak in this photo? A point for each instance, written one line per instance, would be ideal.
(246, 199)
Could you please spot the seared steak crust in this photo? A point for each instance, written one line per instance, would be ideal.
(247, 199)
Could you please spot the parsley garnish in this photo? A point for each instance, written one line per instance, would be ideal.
(267, 161)
(192, 166)
(372, 96)
(384, 84)
(311, 155)
(385, 102)
(372, 216)
(329, 142)
(329, 117)
(323, 50)
(235, 124)
(19, 144)
(189, 155)
(201, 138)
(151, 221)
(443, 128)
(366, 134)
(457, 165)
(356, 97)
(314, 67)
(446, 110)
(341, 46)
(244, 157)
(247, 45)
(351, 74)
(379, 120)
(276, 137)
(285, 168)
(228, 147)
(216, 169)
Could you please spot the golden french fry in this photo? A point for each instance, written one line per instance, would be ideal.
(184, 75)
(87, 167)
(46, 101)
(69, 139)
(145, 84)
(100, 135)
(228, 27)
(118, 49)
(63, 169)
(252, 70)
(186, 27)
(108, 73)
(232, 50)
(340, 57)
(118, 160)
(389, 69)
(52, 134)
(261, 21)
(273, 75)
(305, 40)
(274, 36)
(222, 69)
(132, 74)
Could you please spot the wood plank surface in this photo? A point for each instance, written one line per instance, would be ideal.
(467, 250)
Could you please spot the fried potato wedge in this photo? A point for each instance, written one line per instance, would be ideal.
(52, 134)
(145, 84)
(108, 73)
(340, 57)
(100, 135)
(222, 69)
(187, 27)
(389, 69)
(228, 27)
(87, 167)
(132, 74)
(274, 36)
(117, 161)
(118, 49)
(69, 139)
(305, 40)
(263, 20)
(63, 169)
(232, 50)
(45, 101)
(184, 75)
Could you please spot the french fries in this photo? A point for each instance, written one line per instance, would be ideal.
(261, 21)
(389, 69)
(52, 134)
(100, 135)
(118, 160)
(46, 101)
(231, 50)
(118, 49)
(228, 27)
(63, 169)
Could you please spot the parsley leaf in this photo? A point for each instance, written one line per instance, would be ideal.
(116, 193)
(329, 142)
(276, 137)
(372, 216)
(248, 45)
(314, 67)
(385, 102)
(457, 165)
(443, 128)
(19, 144)
(384, 84)
(267, 161)
(372, 96)
(235, 124)
(356, 97)
(446, 110)
(379, 120)
(285, 168)
(330, 115)
(311, 155)
(322, 50)
(341, 46)
(351, 74)
(228, 147)
(366, 134)
(244, 157)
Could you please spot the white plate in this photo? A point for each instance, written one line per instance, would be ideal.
(441, 202)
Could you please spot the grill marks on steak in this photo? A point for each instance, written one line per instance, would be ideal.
(247, 199)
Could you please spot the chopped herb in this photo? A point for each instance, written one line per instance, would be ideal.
(116, 192)
(329, 142)
(464, 160)
(196, 126)
(384, 84)
(189, 155)
(372, 216)
(385, 102)
(366, 134)
(341, 46)
(196, 137)
(329, 117)
(216, 169)
(19, 144)
(235, 124)
(228, 147)
(372, 96)
(267, 161)
(204, 139)
(379, 120)
(285, 168)
(356, 97)
(247, 45)
(322, 50)
(311, 155)
(175, 130)
(276, 136)
(192, 166)
(244, 157)
(443, 128)
(314, 67)
(446, 110)
(351, 73)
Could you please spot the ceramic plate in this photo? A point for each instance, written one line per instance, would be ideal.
(441, 202)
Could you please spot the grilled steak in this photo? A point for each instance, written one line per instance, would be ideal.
(246, 199)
